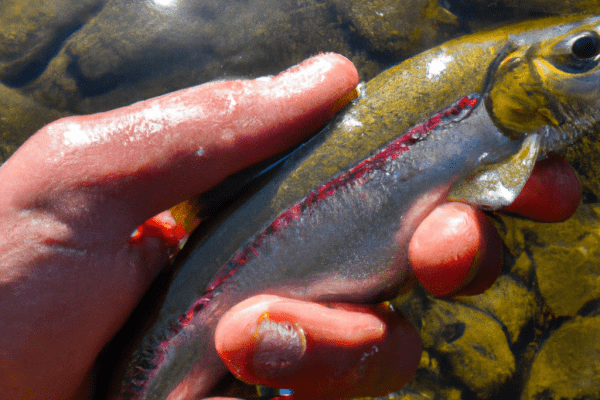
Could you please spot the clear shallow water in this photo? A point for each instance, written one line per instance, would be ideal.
(96, 56)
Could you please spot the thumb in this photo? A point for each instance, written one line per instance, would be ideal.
(131, 163)
(319, 351)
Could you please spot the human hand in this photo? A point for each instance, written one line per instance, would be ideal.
(72, 195)
(455, 251)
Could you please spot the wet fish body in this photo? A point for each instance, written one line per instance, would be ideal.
(333, 224)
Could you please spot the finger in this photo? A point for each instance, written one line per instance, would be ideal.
(179, 144)
(552, 193)
(319, 352)
(467, 256)
(455, 250)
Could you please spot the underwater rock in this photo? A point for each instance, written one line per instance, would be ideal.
(472, 345)
(429, 383)
(33, 29)
(126, 52)
(509, 301)
(566, 257)
(568, 276)
(400, 27)
(19, 118)
(567, 367)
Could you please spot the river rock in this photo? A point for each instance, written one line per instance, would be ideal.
(34, 29)
(19, 118)
(471, 343)
(127, 52)
(509, 301)
(566, 366)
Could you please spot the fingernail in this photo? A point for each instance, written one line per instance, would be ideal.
(279, 347)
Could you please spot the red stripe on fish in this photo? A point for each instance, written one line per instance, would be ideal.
(356, 175)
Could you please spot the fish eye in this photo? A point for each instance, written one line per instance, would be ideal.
(586, 47)
(578, 54)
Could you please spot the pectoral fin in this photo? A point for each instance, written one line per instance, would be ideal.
(498, 185)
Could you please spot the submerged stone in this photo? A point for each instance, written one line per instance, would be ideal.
(509, 301)
(471, 343)
(32, 30)
(567, 367)
(19, 118)
(127, 52)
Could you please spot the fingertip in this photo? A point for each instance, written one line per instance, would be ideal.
(332, 68)
(373, 367)
(315, 90)
(455, 249)
(235, 335)
(552, 193)
(489, 263)
(329, 352)
(346, 74)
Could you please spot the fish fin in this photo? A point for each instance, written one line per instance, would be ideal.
(498, 185)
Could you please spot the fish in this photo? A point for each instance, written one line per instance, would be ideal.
(331, 222)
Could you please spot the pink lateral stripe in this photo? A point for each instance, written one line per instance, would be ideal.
(327, 189)
(355, 175)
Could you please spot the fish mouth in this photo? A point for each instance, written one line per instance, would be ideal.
(575, 125)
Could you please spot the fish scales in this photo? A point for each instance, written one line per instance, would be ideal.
(334, 221)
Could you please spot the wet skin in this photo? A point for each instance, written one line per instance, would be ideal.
(71, 196)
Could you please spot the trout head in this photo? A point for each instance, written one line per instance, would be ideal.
(542, 91)
(549, 87)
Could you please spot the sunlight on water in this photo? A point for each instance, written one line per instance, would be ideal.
(164, 3)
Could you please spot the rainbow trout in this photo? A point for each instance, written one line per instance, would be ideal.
(334, 220)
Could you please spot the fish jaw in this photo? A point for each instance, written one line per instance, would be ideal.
(549, 86)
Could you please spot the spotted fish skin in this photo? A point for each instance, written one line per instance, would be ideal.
(344, 238)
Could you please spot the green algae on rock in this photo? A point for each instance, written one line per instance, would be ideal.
(566, 366)
(565, 257)
(398, 27)
(33, 29)
(509, 301)
(429, 383)
(19, 118)
(472, 344)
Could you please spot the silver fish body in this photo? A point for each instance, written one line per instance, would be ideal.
(342, 233)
